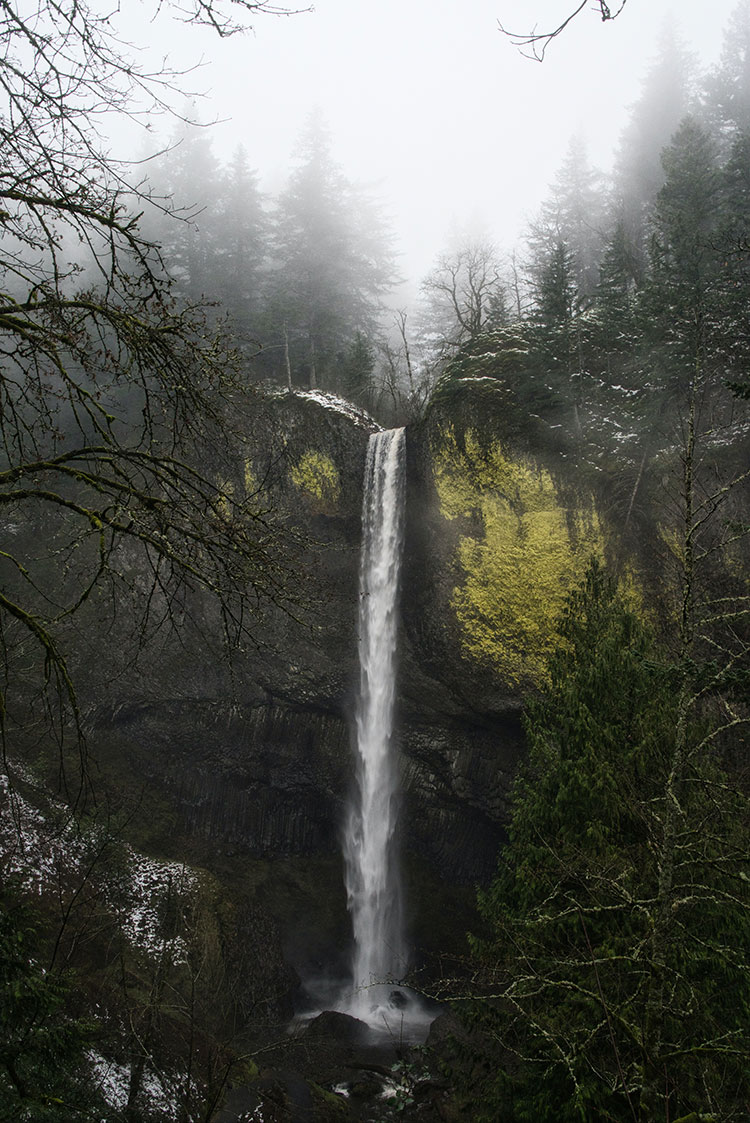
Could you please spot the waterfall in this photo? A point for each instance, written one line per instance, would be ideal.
(372, 877)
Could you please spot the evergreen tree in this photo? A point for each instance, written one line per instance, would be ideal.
(733, 242)
(555, 287)
(665, 100)
(574, 214)
(328, 276)
(727, 93)
(615, 296)
(239, 246)
(617, 993)
(355, 371)
(188, 176)
(43, 1065)
(680, 294)
(554, 326)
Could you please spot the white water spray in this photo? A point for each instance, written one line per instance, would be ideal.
(372, 878)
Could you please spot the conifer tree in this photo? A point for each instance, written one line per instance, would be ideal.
(240, 246)
(355, 371)
(616, 972)
(328, 276)
(615, 295)
(680, 294)
(554, 326)
(188, 175)
(728, 87)
(733, 247)
(574, 214)
(666, 98)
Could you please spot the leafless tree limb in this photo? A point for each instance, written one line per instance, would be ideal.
(117, 406)
(533, 44)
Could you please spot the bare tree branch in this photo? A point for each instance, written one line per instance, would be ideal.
(122, 415)
(533, 44)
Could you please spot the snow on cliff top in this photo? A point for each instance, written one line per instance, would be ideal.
(334, 403)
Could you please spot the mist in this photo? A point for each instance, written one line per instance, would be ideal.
(453, 129)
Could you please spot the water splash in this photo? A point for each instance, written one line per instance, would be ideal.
(372, 876)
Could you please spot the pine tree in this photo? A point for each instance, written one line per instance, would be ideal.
(240, 246)
(330, 268)
(617, 993)
(666, 98)
(679, 298)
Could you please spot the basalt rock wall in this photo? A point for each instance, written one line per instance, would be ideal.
(254, 757)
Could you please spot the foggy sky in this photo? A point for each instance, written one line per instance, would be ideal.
(428, 103)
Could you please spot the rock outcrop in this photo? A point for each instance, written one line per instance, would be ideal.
(254, 758)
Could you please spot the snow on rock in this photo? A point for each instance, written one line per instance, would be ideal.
(339, 405)
(152, 885)
(34, 849)
(112, 1080)
(47, 853)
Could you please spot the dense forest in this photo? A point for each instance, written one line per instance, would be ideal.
(605, 975)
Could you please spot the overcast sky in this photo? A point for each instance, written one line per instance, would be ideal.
(430, 104)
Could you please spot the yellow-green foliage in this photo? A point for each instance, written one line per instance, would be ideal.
(329, 1101)
(317, 476)
(225, 498)
(518, 568)
(251, 483)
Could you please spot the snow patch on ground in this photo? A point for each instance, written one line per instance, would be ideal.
(47, 855)
(159, 1092)
(33, 849)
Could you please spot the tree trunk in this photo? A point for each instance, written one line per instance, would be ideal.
(287, 363)
(652, 1101)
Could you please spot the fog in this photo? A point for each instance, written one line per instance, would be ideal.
(428, 103)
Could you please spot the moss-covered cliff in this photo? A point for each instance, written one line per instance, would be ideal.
(241, 759)
(237, 760)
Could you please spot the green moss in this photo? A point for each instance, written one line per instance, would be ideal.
(317, 476)
(225, 500)
(251, 483)
(530, 549)
(245, 1072)
(332, 1104)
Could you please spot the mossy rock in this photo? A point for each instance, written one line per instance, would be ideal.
(525, 547)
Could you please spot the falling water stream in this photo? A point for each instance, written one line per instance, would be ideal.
(374, 993)
(372, 876)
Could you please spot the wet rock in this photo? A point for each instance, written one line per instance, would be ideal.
(278, 1096)
(257, 764)
(446, 1027)
(336, 1026)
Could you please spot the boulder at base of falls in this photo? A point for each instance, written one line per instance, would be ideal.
(341, 1028)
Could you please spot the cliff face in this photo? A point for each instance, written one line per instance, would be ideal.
(255, 760)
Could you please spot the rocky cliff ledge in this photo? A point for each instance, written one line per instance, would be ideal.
(255, 759)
